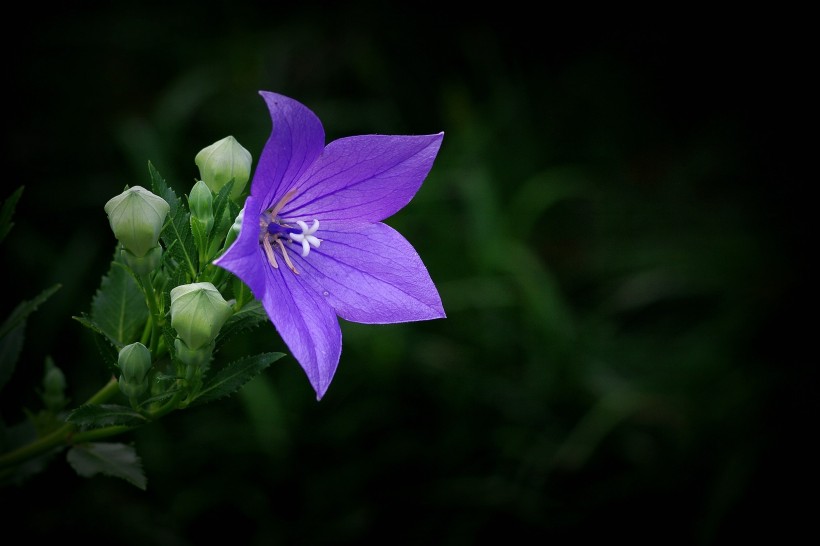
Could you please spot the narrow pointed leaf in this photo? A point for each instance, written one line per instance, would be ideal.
(231, 378)
(176, 235)
(249, 317)
(109, 351)
(12, 333)
(25, 308)
(225, 212)
(161, 188)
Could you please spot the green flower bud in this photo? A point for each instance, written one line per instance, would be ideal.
(134, 362)
(54, 385)
(198, 311)
(201, 202)
(54, 380)
(136, 217)
(223, 160)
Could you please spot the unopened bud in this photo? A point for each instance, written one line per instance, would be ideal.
(54, 385)
(222, 161)
(134, 362)
(201, 202)
(136, 217)
(198, 312)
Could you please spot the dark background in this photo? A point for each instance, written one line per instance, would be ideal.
(616, 223)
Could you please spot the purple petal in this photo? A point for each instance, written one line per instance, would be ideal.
(370, 274)
(296, 140)
(364, 178)
(245, 258)
(306, 323)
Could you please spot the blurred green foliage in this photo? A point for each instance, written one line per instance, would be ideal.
(613, 238)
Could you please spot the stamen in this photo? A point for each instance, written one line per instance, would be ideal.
(282, 202)
(273, 229)
(269, 251)
(285, 254)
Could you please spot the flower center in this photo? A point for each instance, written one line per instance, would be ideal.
(275, 232)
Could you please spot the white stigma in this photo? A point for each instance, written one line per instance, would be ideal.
(306, 237)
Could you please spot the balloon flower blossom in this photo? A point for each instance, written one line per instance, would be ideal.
(312, 247)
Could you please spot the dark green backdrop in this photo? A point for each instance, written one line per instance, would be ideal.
(612, 222)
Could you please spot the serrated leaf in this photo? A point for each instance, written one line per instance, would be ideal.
(108, 348)
(233, 376)
(12, 333)
(92, 416)
(199, 234)
(169, 334)
(25, 308)
(222, 201)
(176, 234)
(224, 216)
(159, 398)
(117, 460)
(118, 309)
(108, 352)
(7, 212)
(86, 321)
(247, 318)
(161, 188)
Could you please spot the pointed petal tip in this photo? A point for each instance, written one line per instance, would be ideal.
(320, 390)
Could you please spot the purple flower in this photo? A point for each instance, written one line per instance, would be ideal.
(312, 245)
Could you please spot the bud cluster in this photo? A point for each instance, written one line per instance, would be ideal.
(197, 310)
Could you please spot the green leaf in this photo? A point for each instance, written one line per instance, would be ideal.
(169, 334)
(247, 318)
(225, 212)
(231, 378)
(199, 234)
(12, 333)
(108, 348)
(118, 309)
(7, 212)
(161, 188)
(91, 416)
(160, 397)
(176, 235)
(25, 308)
(118, 460)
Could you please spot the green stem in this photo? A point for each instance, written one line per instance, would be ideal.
(167, 407)
(62, 435)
